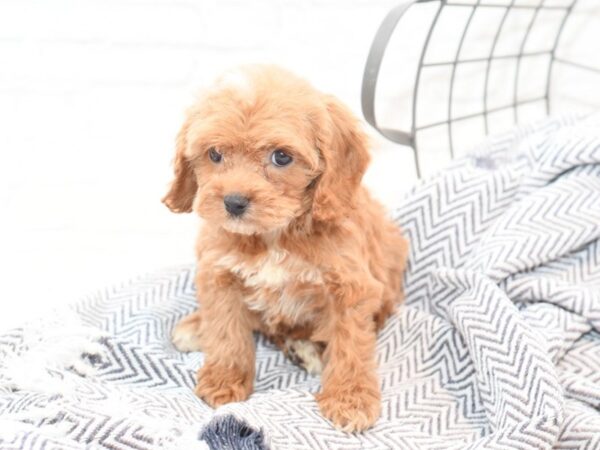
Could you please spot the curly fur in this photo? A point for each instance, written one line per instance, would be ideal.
(314, 258)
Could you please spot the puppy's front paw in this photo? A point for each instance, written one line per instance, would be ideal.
(185, 335)
(351, 408)
(219, 385)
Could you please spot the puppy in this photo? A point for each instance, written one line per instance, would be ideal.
(291, 244)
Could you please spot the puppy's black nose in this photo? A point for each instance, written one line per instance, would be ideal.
(235, 204)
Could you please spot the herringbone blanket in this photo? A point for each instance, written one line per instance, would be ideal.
(497, 346)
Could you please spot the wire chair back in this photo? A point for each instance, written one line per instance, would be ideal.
(456, 60)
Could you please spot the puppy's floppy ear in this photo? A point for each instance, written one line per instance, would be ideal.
(343, 145)
(183, 187)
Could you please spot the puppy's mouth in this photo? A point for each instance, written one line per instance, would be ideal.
(247, 225)
(239, 226)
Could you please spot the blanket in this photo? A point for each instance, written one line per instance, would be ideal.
(496, 346)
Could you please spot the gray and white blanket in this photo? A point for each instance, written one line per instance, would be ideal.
(497, 346)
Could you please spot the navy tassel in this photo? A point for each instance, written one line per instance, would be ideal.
(228, 432)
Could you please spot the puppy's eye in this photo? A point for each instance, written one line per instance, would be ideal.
(214, 155)
(280, 158)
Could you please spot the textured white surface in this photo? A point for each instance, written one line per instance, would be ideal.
(91, 96)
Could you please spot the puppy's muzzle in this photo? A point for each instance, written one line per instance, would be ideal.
(236, 204)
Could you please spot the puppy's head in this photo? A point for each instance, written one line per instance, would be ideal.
(262, 148)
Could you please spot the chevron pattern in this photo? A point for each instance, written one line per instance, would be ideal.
(497, 346)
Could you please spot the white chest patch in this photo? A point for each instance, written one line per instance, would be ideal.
(276, 270)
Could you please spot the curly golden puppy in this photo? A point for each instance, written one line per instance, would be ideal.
(291, 244)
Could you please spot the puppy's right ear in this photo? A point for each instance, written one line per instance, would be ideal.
(183, 188)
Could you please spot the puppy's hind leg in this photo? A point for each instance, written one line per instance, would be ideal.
(186, 334)
(304, 353)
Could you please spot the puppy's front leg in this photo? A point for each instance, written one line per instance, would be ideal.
(350, 396)
(226, 339)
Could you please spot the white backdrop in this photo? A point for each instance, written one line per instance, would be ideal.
(92, 93)
(91, 96)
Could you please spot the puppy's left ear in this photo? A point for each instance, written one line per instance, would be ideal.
(343, 145)
(183, 188)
